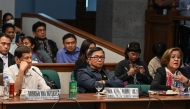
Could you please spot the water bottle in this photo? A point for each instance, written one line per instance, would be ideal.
(6, 87)
(72, 89)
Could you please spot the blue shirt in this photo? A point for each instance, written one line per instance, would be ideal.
(63, 56)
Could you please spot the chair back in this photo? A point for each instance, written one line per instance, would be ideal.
(53, 75)
(144, 87)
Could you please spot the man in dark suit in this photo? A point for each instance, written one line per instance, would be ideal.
(39, 31)
(6, 58)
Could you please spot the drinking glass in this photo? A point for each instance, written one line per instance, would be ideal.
(98, 86)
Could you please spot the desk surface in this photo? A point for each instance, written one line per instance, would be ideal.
(90, 101)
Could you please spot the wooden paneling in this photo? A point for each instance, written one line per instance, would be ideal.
(90, 101)
(159, 28)
(68, 67)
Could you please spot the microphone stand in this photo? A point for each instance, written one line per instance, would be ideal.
(141, 92)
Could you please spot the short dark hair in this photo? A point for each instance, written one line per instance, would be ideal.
(7, 25)
(84, 47)
(132, 47)
(5, 15)
(159, 48)
(68, 35)
(5, 35)
(21, 50)
(94, 50)
(38, 24)
(32, 41)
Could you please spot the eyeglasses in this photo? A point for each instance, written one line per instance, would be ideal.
(174, 57)
(41, 30)
(97, 57)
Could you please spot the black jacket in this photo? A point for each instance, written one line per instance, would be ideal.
(51, 43)
(123, 67)
(11, 61)
(159, 82)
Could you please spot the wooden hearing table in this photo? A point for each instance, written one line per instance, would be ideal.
(89, 101)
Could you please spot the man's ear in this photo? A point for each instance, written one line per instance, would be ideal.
(34, 33)
(88, 60)
(32, 46)
(17, 60)
(63, 44)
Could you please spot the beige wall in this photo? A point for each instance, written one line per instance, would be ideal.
(7, 6)
(56, 34)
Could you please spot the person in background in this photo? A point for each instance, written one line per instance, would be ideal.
(82, 59)
(8, 18)
(38, 56)
(70, 52)
(6, 58)
(158, 50)
(22, 74)
(42, 43)
(132, 69)
(165, 78)
(86, 77)
(10, 30)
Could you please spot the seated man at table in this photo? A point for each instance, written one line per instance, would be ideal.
(87, 77)
(70, 52)
(22, 73)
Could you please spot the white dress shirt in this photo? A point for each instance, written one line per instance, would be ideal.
(31, 80)
(5, 60)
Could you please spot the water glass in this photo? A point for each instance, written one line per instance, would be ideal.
(98, 86)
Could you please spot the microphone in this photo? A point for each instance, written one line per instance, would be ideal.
(141, 92)
(40, 75)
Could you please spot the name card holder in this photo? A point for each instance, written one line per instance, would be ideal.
(122, 93)
(34, 94)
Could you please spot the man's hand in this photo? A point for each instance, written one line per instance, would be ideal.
(23, 66)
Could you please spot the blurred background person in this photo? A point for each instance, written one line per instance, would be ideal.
(8, 18)
(70, 52)
(158, 50)
(164, 78)
(132, 69)
(42, 43)
(9, 29)
(38, 56)
(6, 58)
(82, 59)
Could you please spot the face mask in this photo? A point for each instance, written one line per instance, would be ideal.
(11, 21)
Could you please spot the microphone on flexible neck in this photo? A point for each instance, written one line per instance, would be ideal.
(40, 75)
(141, 92)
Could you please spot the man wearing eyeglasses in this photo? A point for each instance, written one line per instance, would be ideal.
(87, 77)
(39, 31)
(70, 52)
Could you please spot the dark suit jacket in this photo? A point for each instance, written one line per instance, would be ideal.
(159, 82)
(11, 61)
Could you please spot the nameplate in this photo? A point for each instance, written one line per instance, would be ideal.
(122, 93)
(33, 94)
